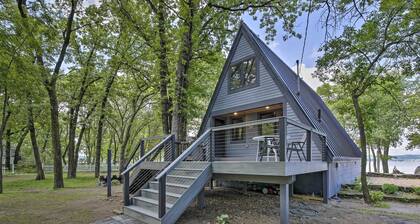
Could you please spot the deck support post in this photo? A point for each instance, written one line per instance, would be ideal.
(290, 190)
(201, 200)
(141, 148)
(325, 183)
(173, 156)
(126, 188)
(308, 145)
(284, 203)
(162, 196)
(108, 173)
(283, 139)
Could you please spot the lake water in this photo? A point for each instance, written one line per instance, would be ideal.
(405, 166)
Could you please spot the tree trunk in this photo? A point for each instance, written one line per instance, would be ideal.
(124, 144)
(114, 160)
(71, 144)
(32, 132)
(179, 120)
(374, 159)
(1, 163)
(4, 119)
(8, 149)
(379, 158)
(19, 145)
(74, 116)
(369, 160)
(55, 137)
(362, 135)
(76, 152)
(88, 147)
(108, 86)
(44, 145)
(164, 71)
(73, 170)
(385, 158)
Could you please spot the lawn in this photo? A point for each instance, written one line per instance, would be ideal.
(81, 201)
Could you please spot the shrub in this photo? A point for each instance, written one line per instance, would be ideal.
(222, 219)
(417, 190)
(358, 187)
(389, 188)
(376, 196)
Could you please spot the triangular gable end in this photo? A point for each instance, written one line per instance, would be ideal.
(269, 82)
(265, 89)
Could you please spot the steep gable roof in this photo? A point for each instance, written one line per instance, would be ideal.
(338, 141)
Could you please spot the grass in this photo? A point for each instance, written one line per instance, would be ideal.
(381, 204)
(26, 200)
(23, 182)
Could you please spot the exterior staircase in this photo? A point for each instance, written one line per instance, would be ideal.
(160, 191)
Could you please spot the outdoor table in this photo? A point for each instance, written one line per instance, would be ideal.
(262, 138)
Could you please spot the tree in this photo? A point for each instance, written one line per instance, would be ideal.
(5, 117)
(412, 100)
(31, 127)
(49, 75)
(360, 57)
(384, 114)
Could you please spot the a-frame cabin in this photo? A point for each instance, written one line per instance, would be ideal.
(263, 124)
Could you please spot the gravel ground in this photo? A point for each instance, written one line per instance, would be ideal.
(403, 182)
(252, 207)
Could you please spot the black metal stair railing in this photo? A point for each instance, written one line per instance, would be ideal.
(196, 156)
(139, 173)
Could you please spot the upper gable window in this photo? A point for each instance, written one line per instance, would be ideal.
(243, 75)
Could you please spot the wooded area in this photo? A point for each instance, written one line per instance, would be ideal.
(77, 78)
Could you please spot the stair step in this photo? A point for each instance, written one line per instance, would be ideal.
(186, 172)
(189, 169)
(180, 176)
(142, 214)
(170, 187)
(148, 203)
(193, 164)
(178, 179)
(154, 194)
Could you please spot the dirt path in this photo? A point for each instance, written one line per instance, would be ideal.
(402, 182)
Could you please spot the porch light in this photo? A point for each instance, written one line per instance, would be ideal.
(235, 113)
(267, 107)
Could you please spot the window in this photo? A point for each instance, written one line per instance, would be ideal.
(243, 75)
(238, 134)
(269, 128)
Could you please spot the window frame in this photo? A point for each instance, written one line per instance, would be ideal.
(257, 74)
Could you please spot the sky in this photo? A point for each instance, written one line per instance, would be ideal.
(290, 51)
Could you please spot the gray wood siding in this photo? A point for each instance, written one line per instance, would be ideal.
(342, 172)
(267, 88)
(243, 50)
(296, 134)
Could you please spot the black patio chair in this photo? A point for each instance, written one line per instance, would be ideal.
(297, 147)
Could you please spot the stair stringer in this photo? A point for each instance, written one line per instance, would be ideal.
(188, 196)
